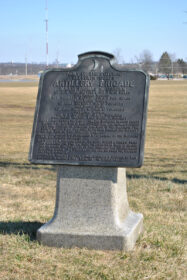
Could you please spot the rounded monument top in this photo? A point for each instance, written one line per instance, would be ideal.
(96, 53)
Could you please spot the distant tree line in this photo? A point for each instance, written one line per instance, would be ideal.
(22, 68)
(167, 65)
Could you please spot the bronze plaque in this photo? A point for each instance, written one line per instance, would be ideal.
(91, 114)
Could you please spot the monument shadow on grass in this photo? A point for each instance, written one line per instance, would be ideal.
(20, 228)
(174, 180)
(25, 165)
(129, 176)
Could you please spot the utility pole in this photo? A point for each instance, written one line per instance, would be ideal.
(25, 65)
(156, 69)
(46, 26)
(57, 61)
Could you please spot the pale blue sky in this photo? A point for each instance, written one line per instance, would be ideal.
(76, 26)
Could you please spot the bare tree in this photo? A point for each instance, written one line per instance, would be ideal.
(118, 55)
(145, 60)
(173, 60)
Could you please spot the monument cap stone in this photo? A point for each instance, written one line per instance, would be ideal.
(91, 114)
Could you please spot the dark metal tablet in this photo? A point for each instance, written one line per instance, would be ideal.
(91, 114)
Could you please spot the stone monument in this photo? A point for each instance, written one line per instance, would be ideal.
(90, 121)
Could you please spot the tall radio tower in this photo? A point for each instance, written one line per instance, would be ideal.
(46, 24)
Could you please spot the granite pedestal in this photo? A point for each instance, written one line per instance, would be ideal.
(92, 210)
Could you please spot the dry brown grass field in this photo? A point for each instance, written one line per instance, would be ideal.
(27, 196)
(19, 77)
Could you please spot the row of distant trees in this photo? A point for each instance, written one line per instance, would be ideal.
(167, 64)
(11, 68)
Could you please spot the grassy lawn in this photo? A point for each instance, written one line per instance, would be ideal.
(157, 190)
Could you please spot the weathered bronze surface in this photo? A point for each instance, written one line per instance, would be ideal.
(91, 114)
